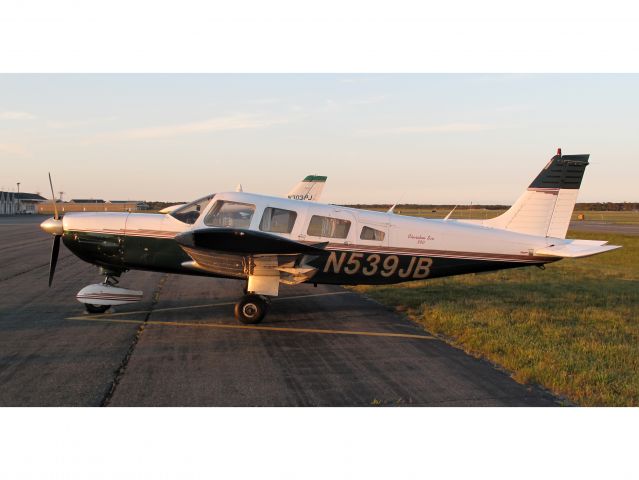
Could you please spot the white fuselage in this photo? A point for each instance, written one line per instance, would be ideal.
(400, 233)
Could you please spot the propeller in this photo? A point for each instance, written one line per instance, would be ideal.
(55, 228)
(54, 257)
(55, 207)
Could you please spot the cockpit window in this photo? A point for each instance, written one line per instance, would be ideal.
(230, 214)
(190, 212)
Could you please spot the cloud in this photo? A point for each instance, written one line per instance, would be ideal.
(14, 150)
(352, 79)
(62, 124)
(265, 101)
(217, 124)
(329, 105)
(513, 108)
(429, 129)
(9, 115)
(369, 100)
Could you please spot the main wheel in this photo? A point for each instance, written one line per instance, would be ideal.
(96, 308)
(251, 309)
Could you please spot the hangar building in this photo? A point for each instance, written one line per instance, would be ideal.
(12, 203)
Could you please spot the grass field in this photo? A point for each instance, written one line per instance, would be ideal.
(572, 328)
(628, 218)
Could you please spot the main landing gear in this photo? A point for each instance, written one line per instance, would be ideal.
(252, 308)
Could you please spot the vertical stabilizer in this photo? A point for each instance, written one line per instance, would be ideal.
(308, 189)
(545, 208)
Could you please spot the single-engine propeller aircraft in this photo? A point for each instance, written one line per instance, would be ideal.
(270, 240)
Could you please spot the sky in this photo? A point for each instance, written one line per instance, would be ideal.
(387, 138)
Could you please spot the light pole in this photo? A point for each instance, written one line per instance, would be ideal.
(18, 183)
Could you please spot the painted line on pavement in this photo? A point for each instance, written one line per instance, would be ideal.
(254, 328)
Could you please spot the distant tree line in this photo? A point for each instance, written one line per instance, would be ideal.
(591, 206)
(608, 206)
(416, 206)
(588, 206)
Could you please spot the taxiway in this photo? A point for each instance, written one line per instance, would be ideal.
(181, 345)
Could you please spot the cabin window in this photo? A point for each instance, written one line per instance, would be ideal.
(328, 227)
(278, 220)
(369, 233)
(230, 214)
(190, 212)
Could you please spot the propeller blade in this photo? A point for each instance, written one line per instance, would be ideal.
(54, 257)
(55, 207)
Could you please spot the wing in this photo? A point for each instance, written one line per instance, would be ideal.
(242, 253)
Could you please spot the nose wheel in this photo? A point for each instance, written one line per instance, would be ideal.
(251, 309)
(90, 308)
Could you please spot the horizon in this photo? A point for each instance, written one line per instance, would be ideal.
(380, 138)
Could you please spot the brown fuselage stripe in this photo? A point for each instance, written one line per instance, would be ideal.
(434, 253)
(499, 257)
(108, 297)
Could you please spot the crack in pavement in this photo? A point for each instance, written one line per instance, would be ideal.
(119, 373)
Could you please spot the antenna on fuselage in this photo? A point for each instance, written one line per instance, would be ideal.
(450, 213)
(239, 188)
(392, 209)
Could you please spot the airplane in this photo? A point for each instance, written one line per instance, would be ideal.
(267, 241)
(309, 189)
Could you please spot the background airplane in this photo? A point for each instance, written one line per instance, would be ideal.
(310, 189)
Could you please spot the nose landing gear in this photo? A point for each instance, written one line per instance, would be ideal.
(99, 297)
(90, 308)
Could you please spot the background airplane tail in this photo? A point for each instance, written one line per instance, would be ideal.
(308, 189)
(545, 208)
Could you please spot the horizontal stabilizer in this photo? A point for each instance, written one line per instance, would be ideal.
(576, 249)
(241, 241)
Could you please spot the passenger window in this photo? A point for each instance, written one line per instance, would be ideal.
(328, 227)
(230, 214)
(278, 220)
(369, 233)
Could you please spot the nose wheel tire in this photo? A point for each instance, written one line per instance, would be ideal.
(96, 308)
(251, 309)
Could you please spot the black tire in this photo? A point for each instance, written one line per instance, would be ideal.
(96, 308)
(251, 309)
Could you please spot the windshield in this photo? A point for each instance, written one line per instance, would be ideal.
(190, 212)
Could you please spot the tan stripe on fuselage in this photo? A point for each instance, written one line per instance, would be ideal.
(498, 257)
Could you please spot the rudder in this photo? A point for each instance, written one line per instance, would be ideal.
(545, 208)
